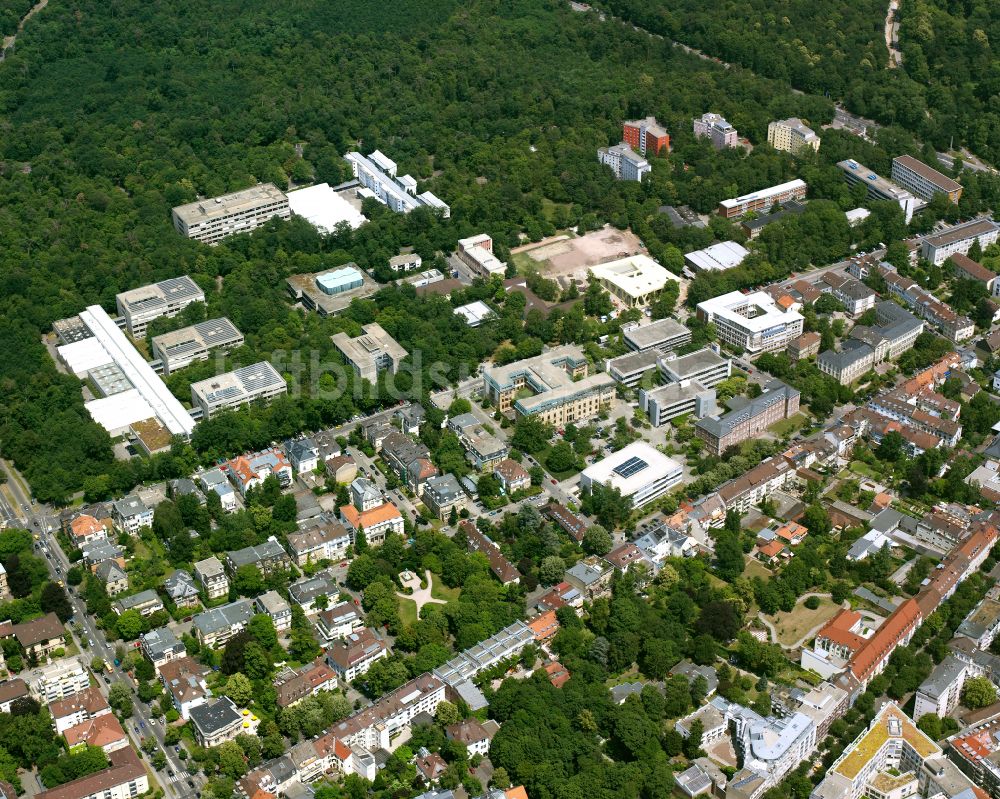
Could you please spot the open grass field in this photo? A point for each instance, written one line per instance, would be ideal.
(407, 611)
(790, 425)
(792, 626)
(440, 591)
(755, 568)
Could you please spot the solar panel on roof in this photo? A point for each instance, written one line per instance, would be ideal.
(630, 467)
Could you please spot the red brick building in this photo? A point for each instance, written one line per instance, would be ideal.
(646, 136)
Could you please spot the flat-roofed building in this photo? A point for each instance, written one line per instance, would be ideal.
(641, 472)
(791, 135)
(715, 128)
(183, 347)
(59, 680)
(646, 135)
(748, 418)
(940, 692)
(717, 257)
(212, 219)
(677, 399)
(260, 381)
(635, 281)
(629, 370)
(377, 174)
(879, 188)
(563, 391)
(330, 292)
(922, 180)
(705, 366)
(212, 575)
(625, 162)
(763, 200)
(324, 208)
(939, 247)
(142, 305)
(371, 353)
(663, 334)
(753, 322)
(476, 252)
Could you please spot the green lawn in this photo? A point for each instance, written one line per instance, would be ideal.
(440, 591)
(863, 469)
(407, 611)
(788, 426)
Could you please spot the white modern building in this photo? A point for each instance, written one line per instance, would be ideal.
(753, 322)
(939, 247)
(371, 353)
(323, 208)
(705, 366)
(879, 188)
(181, 348)
(716, 258)
(377, 174)
(261, 381)
(763, 200)
(59, 680)
(635, 281)
(640, 471)
(212, 219)
(940, 692)
(625, 162)
(663, 334)
(142, 305)
(676, 399)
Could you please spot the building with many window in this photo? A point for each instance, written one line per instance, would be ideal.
(261, 381)
(377, 175)
(213, 219)
(625, 162)
(879, 188)
(663, 334)
(667, 402)
(181, 348)
(371, 353)
(717, 130)
(125, 778)
(939, 247)
(212, 575)
(705, 366)
(791, 135)
(647, 136)
(753, 322)
(640, 471)
(922, 180)
(763, 200)
(169, 297)
(748, 417)
(476, 252)
(894, 333)
(563, 392)
(354, 654)
(635, 281)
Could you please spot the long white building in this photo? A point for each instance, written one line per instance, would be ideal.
(260, 381)
(377, 174)
(212, 219)
(640, 471)
(764, 199)
(753, 322)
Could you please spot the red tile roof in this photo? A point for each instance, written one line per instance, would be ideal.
(877, 649)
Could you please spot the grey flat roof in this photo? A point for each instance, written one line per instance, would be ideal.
(658, 332)
(635, 361)
(225, 204)
(697, 361)
(210, 333)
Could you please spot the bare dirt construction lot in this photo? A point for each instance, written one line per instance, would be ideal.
(565, 257)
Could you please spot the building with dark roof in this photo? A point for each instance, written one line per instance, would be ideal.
(217, 722)
(748, 417)
(502, 569)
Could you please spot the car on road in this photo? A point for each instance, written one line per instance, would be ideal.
(553, 481)
(170, 772)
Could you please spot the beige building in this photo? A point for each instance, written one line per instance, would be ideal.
(212, 219)
(555, 385)
(635, 281)
(791, 135)
(371, 353)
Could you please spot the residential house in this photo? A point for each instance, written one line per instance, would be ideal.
(558, 674)
(294, 685)
(216, 722)
(268, 557)
(365, 494)
(75, 709)
(215, 481)
(341, 468)
(410, 418)
(212, 575)
(251, 470)
(85, 528)
(303, 454)
(38, 637)
(338, 621)
(399, 451)
(430, 765)
(544, 626)
(352, 655)
(113, 576)
(277, 608)
(941, 691)
(561, 595)
(130, 514)
(216, 626)
(125, 778)
(100, 550)
(324, 539)
(503, 569)
(473, 734)
(309, 592)
(591, 576)
(10, 692)
(418, 473)
(512, 476)
(182, 589)
(443, 494)
(184, 681)
(146, 602)
(571, 524)
(162, 646)
(376, 523)
(104, 732)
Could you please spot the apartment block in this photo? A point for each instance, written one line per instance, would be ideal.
(476, 252)
(717, 130)
(743, 492)
(941, 691)
(954, 326)
(371, 353)
(647, 136)
(763, 200)
(625, 162)
(748, 417)
(268, 557)
(377, 175)
(212, 575)
(59, 680)
(704, 366)
(879, 188)
(939, 247)
(141, 306)
(563, 392)
(125, 778)
(273, 605)
(215, 218)
(261, 381)
(354, 654)
(922, 180)
(181, 348)
(753, 322)
(791, 135)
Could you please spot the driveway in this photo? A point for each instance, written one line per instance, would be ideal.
(422, 596)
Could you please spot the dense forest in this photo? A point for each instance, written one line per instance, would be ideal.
(944, 93)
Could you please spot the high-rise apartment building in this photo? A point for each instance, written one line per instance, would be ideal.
(646, 135)
(922, 180)
(625, 162)
(791, 135)
(716, 129)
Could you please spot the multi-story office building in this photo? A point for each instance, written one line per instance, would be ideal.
(635, 281)
(629, 370)
(922, 180)
(371, 353)
(939, 247)
(879, 188)
(748, 418)
(791, 135)
(715, 128)
(476, 252)
(260, 381)
(763, 200)
(180, 348)
(705, 366)
(663, 334)
(563, 391)
(894, 333)
(377, 174)
(641, 472)
(625, 162)
(646, 135)
(212, 219)
(676, 399)
(753, 322)
(141, 306)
